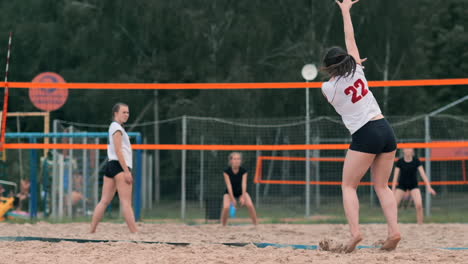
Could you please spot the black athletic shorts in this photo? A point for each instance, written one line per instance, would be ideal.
(375, 137)
(407, 187)
(236, 194)
(113, 168)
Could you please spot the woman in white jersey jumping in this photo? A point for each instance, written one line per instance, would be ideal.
(373, 141)
(118, 176)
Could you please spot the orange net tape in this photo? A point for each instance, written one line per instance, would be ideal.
(224, 86)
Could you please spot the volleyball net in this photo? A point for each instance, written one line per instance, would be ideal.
(179, 161)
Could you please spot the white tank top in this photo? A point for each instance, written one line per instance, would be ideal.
(126, 147)
(352, 99)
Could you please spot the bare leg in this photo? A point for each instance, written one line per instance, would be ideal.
(399, 194)
(417, 198)
(125, 194)
(108, 192)
(381, 170)
(249, 204)
(355, 166)
(225, 211)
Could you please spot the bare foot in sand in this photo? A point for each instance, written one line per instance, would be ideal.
(391, 243)
(352, 243)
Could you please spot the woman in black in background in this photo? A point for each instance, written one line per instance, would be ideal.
(235, 177)
(405, 175)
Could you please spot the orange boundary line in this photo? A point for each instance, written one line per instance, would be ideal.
(223, 86)
(451, 144)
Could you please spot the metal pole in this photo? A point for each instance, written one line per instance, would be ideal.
(272, 163)
(428, 163)
(157, 179)
(55, 175)
(317, 174)
(61, 186)
(202, 172)
(70, 179)
(150, 181)
(20, 153)
(427, 124)
(96, 175)
(33, 181)
(139, 176)
(45, 187)
(307, 163)
(84, 177)
(183, 167)
(452, 104)
(145, 173)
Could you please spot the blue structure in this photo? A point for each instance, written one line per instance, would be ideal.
(34, 158)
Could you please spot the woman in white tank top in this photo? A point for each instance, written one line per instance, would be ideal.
(373, 145)
(118, 175)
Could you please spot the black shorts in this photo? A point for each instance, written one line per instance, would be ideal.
(407, 187)
(375, 137)
(236, 194)
(113, 168)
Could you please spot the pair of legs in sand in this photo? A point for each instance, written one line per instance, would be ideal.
(247, 203)
(355, 167)
(417, 199)
(124, 189)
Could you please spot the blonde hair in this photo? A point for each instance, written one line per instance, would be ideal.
(231, 155)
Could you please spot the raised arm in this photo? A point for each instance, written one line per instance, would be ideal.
(396, 175)
(426, 180)
(229, 188)
(350, 41)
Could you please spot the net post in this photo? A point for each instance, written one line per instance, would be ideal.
(307, 152)
(70, 178)
(428, 197)
(202, 171)
(46, 130)
(139, 168)
(61, 186)
(33, 181)
(85, 177)
(183, 168)
(144, 181)
(96, 175)
(55, 176)
(46, 187)
(150, 181)
(157, 193)
(317, 172)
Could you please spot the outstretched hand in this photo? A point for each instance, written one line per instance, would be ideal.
(361, 62)
(346, 4)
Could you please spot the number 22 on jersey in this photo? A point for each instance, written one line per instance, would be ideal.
(354, 91)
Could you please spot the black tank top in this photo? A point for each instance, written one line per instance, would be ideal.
(236, 180)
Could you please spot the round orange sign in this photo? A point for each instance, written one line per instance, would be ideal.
(48, 99)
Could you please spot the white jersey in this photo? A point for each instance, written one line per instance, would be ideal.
(352, 99)
(126, 147)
